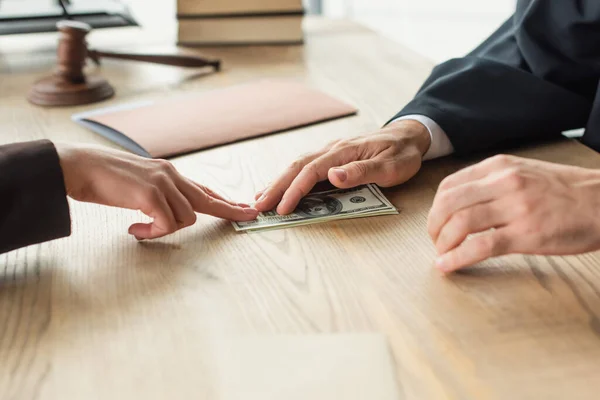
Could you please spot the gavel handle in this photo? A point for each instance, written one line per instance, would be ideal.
(175, 60)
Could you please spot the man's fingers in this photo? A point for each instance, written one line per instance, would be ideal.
(382, 171)
(154, 204)
(259, 194)
(478, 218)
(451, 201)
(312, 173)
(478, 171)
(274, 193)
(479, 248)
(492, 187)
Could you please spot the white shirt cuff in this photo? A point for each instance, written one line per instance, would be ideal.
(440, 144)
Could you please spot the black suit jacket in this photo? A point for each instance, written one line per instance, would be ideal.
(535, 77)
(33, 202)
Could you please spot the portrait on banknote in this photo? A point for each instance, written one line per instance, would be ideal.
(318, 206)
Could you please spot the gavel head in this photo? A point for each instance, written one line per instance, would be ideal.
(72, 50)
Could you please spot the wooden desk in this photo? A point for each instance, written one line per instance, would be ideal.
(98, 315)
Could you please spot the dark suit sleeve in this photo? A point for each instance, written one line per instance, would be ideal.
(533, 78)
(33, 202)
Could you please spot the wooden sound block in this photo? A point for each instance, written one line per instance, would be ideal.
(55, 91)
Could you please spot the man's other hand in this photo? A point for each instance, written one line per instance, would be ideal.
(514, 205)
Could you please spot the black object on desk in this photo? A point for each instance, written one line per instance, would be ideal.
(35, 16)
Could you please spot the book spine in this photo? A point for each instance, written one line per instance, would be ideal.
(300, 12)
(240, 44)
(245, 35)
(228, 7)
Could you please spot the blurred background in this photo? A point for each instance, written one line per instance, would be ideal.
(437, 29)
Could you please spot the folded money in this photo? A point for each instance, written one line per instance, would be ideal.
(329, 205)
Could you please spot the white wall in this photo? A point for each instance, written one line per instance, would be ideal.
(438, 29)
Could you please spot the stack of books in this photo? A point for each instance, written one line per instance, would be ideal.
(239, 22)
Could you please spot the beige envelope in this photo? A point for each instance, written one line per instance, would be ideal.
(216, 117)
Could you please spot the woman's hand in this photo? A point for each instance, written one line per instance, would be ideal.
(114, 178)
(388, 157)
(516, 205)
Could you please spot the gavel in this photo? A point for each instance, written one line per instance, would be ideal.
(69, 86)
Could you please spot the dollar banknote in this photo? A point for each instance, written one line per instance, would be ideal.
(357, 202)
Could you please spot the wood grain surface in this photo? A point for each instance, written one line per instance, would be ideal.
(99, 315)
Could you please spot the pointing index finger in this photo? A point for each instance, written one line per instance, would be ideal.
(205, 201)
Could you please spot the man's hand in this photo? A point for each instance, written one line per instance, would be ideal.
(115, 178)
(388, 157)
(515, 205)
